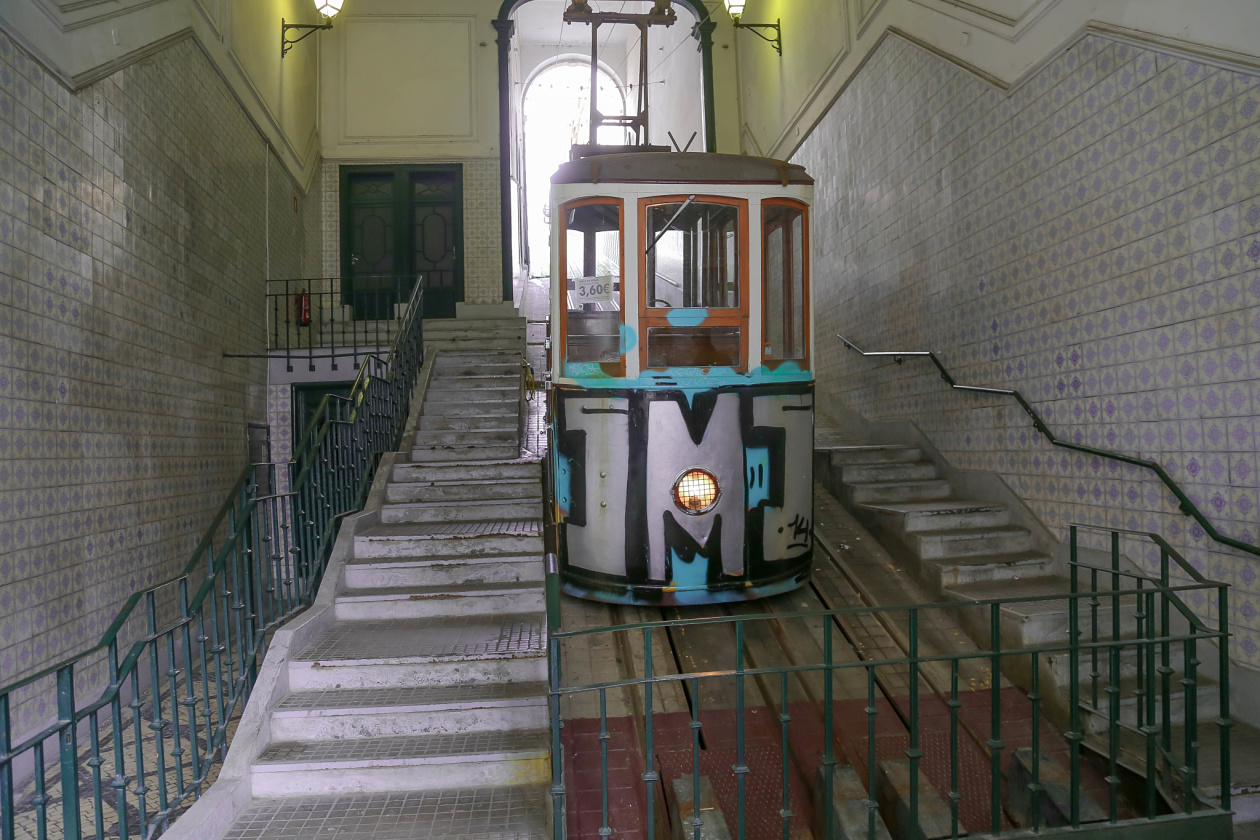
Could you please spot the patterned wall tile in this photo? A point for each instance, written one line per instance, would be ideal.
(1092, 239)
(134, 226)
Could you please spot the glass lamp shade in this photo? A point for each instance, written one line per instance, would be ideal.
(328, 8)
(735, 8)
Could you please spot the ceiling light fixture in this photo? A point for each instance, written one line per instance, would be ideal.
(735, 8)
(327, 8)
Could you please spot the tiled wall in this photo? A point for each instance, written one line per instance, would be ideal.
(132, 232)
(1093, 240)
(483, 271)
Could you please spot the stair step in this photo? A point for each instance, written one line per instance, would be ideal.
(423, 652)
(938, 515)
(896, 491)
(420, 762)
(452, 491)
(476, 813)
(462, 510)
(368, 573)
(422, 710)
(842, 455)
(463, 358)
(1043, 622)
(469, 540)
(467, 437)
(446, 453)
(474, 408)
(438, 393)
(969, 542)
(1207, 701)
(477, 342)
(448, 423)
(389, 603)
(951, 572)
(886, 472)
(486, 471)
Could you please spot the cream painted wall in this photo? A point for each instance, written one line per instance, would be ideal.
(83, 42)
(411, 80)
(825, 42)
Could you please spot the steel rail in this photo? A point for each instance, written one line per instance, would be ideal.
(1184, 503)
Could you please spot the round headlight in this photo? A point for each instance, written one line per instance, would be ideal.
(696, 491)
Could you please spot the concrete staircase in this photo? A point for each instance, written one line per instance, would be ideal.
(967, 550)
(427, 691)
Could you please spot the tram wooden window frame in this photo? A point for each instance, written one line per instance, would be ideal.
(725, 316)
(563, 248)
(806, 287)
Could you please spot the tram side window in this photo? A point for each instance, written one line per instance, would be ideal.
(592, 256)
(783, 249)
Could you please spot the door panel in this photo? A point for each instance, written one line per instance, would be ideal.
(398, 223)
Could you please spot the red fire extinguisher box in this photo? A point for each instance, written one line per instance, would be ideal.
(303, 302)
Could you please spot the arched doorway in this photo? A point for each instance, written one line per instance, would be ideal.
(555, 114)
(699, 27)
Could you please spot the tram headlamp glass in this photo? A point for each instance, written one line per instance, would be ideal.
(696, 491)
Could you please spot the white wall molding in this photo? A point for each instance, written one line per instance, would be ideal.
(85, 41)
(1003, 42)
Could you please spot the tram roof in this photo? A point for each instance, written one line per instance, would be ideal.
(679, 168)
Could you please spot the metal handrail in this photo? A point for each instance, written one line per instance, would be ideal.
(1183, 501)
(267, 569)
(1169, 793)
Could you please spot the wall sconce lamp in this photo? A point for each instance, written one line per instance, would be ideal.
(735, 8)
(327, 8)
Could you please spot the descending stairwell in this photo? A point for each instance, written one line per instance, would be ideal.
(419, 710)
(967, 550)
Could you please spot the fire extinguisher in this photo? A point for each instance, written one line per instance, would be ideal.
(303, 309)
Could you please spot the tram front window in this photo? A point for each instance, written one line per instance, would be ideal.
(591, 255)
(693, 255)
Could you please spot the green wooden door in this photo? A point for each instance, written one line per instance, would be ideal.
(399, 223)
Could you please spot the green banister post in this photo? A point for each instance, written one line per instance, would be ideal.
(604, 829)
(1074, 686)
(872, 710)
(741, 768)
(914, 753)
(1224, 723)
(650, 776)
(68, 743)
(6, 772)
(785, 812)
(1165, 666)
(829, 755)
(1150, 730)
(955, 797)
(1113, 685)
(1191, 687)
(994, 743)
(696, 822)
(1034, 785)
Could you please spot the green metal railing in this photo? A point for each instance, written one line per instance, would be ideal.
(1184, 502)
(182, 656)
(1145, 776)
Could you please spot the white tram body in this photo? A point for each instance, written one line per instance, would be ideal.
(683, 414)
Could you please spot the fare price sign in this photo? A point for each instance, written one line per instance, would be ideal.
(593, 289)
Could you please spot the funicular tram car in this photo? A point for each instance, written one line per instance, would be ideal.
(683, 404)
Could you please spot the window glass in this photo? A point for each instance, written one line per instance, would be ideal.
(593, 283)
(783, 249)
(692, 255)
